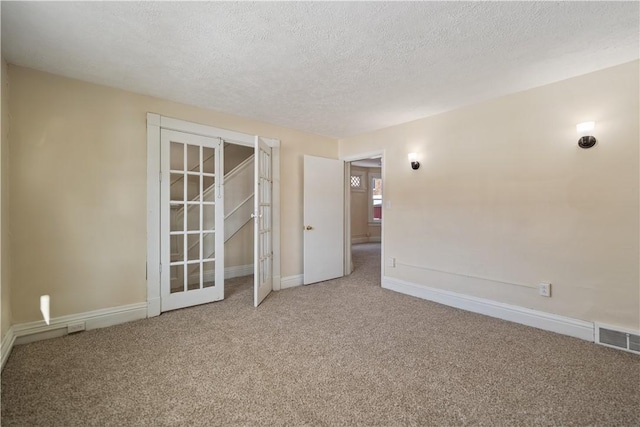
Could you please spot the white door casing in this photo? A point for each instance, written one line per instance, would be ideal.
(323, 219)
(263, 223)
(191, 220)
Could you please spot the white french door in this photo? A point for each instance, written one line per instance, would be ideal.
(263, 223)
(191, 220)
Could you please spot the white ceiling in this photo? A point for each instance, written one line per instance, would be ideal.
(334, 69)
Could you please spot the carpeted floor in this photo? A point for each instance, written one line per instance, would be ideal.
(342, 352)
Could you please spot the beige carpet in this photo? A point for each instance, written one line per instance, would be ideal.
(342, 352)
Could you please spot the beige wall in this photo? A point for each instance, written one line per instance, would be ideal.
(78, 190)
(238, 250)
(360, 228)
(505, 193)
(5, 295)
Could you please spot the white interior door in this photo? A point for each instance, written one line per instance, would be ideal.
(263, 223)
(191, 220)
(323, 219)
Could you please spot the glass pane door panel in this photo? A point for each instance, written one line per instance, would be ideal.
(193, 158)
(208, 189)
(177, 278)
(176, 217)
(193, 217)
(208, 246)
(208, 274)
(193, 243)
(176, 156)
(208, 160)
(209, 217)
(177, 245)
(193, 188)
(176, 192)
(194, 276)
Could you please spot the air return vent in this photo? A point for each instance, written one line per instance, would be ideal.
(619, 338)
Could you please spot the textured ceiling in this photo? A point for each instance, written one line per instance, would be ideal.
(334, 69)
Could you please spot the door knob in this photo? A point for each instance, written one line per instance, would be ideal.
(308, 227)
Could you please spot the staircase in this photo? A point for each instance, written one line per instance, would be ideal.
(238, 206)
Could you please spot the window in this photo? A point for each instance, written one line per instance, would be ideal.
(375, 198)
(357, 181)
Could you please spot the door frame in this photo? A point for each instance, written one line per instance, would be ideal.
(155, 122)
(347, 206)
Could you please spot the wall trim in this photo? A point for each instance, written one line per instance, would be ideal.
(39, 330)
(7, 345)
(238, 271)
(291, 281)
(513, 313)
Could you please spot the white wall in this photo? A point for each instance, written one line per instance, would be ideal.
(505, 193)
(78, 190)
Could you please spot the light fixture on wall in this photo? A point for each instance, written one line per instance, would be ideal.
(585, 132)
(413, 159)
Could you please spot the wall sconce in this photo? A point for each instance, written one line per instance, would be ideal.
(585, 131)
(413, 158)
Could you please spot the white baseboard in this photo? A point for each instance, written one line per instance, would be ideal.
(35, 331)
(238, 271)
(291, 281)
(537, 319)
(7, 345)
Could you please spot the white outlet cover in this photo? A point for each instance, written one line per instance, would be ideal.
(544, 289)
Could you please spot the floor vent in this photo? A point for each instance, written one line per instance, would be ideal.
(622, 339)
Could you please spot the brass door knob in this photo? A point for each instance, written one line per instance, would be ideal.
(308, 227)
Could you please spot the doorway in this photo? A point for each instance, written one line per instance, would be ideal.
(196, 208)
(238, 207)
(364, 206)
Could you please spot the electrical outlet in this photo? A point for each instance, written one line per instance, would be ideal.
(391, 262)
(75, 327)
(544, 289)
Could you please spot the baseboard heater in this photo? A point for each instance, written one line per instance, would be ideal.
(622, 339)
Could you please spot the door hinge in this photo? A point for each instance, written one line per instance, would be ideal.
(160, 268)
(160, 176)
